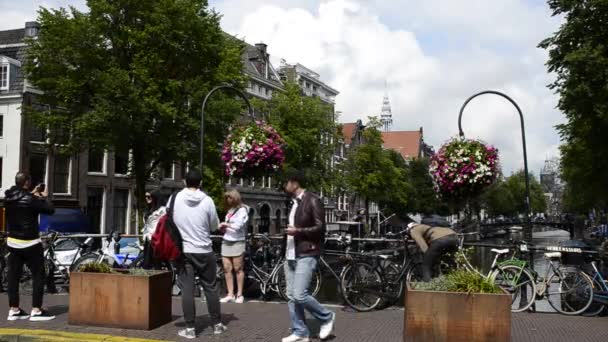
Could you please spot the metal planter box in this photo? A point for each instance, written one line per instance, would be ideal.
(120, 300)
(454, 316)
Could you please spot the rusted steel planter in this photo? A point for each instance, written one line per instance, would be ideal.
(120, 300)
(454, 316)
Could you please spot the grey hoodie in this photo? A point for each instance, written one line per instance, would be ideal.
(195, 217)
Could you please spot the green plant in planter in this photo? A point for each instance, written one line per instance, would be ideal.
(459, 281)
(96, 268)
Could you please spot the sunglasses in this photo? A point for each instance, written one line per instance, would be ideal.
(148, 196)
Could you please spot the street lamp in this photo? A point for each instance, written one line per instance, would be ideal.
(528, 228)
(225, 86)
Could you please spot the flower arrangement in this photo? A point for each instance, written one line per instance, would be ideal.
(253, 149)
(463, 168)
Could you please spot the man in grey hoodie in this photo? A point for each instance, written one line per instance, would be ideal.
(195, 217)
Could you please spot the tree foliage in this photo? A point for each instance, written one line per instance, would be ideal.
(373, 173)
(507, 196)
(309, 128)
(131, 75)
(578, 55)
(423, 198)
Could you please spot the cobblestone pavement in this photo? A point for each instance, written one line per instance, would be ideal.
(257, 321)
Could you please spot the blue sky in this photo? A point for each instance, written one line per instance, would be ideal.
(433, 54)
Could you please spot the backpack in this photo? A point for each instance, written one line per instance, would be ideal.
(167, 244)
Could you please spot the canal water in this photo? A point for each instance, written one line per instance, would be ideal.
(482, 259)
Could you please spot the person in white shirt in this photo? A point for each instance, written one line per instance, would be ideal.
(233, 245)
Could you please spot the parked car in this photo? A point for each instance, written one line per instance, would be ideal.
(65, 220)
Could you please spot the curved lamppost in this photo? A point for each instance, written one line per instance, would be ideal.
(528, 228)
(225, 86)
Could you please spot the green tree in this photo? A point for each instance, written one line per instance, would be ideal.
(498, 200)
(309, 128)
(578, 55)
(131, 75)
(371, 172)
(423, 198)
(516, 186)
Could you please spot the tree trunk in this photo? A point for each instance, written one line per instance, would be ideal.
(141, 177)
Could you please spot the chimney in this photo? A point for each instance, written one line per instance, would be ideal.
(31, 29)
(262, 47)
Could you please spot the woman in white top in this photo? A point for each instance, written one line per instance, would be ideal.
(233, 245)
(157, 208)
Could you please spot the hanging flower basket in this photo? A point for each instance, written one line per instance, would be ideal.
(253, 150)
(464, 168)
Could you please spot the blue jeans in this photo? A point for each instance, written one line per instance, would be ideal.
(298, 274)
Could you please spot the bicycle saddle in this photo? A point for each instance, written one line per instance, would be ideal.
(552, 255)
(500, 251)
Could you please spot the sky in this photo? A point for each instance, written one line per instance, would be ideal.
(432, 54)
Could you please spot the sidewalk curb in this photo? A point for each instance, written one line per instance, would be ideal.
(22, 335)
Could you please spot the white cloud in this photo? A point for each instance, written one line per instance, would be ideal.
(434, 54)
(355, 45)
(14, 13)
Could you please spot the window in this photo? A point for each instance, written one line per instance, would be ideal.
(121, 206)
(167, 170)
(97, 160)
(0, 172)
(1, 125)
(61, 175)
(38, 134)
(95, 207)
(121, 162)
(4, 77)
(38, 168)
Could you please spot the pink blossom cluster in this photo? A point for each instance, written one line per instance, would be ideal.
(253, 149)
(463, 168)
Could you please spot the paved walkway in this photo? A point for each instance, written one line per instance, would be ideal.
(256, 321)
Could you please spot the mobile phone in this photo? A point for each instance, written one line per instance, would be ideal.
(41, 187)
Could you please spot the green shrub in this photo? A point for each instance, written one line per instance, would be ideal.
(96, 267)
(459, 281)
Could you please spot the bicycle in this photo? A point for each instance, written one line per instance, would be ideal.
(510, 274)
(107, 254)
(266, 270)
(567, 289)
(365, 285)
(600, 292)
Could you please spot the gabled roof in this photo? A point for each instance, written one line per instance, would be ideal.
(16, 51)
(12, 36)
(407, 143)
(250, 54)
(348, 130)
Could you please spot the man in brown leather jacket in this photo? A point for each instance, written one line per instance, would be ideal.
(305, 236)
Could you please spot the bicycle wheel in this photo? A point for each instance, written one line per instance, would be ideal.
(394, 285)
(362, 286)
(519, 283)
(570, 291)
(596, 308)
(413, 276)
(280, 282)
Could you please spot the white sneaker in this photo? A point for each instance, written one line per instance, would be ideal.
(188, 333)
(219, 329)
(327, 327)
(240, 300)
(17, 315)
(295, 338)
(41, 316)
(227, 299)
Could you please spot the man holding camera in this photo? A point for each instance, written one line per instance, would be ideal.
(24, 245)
